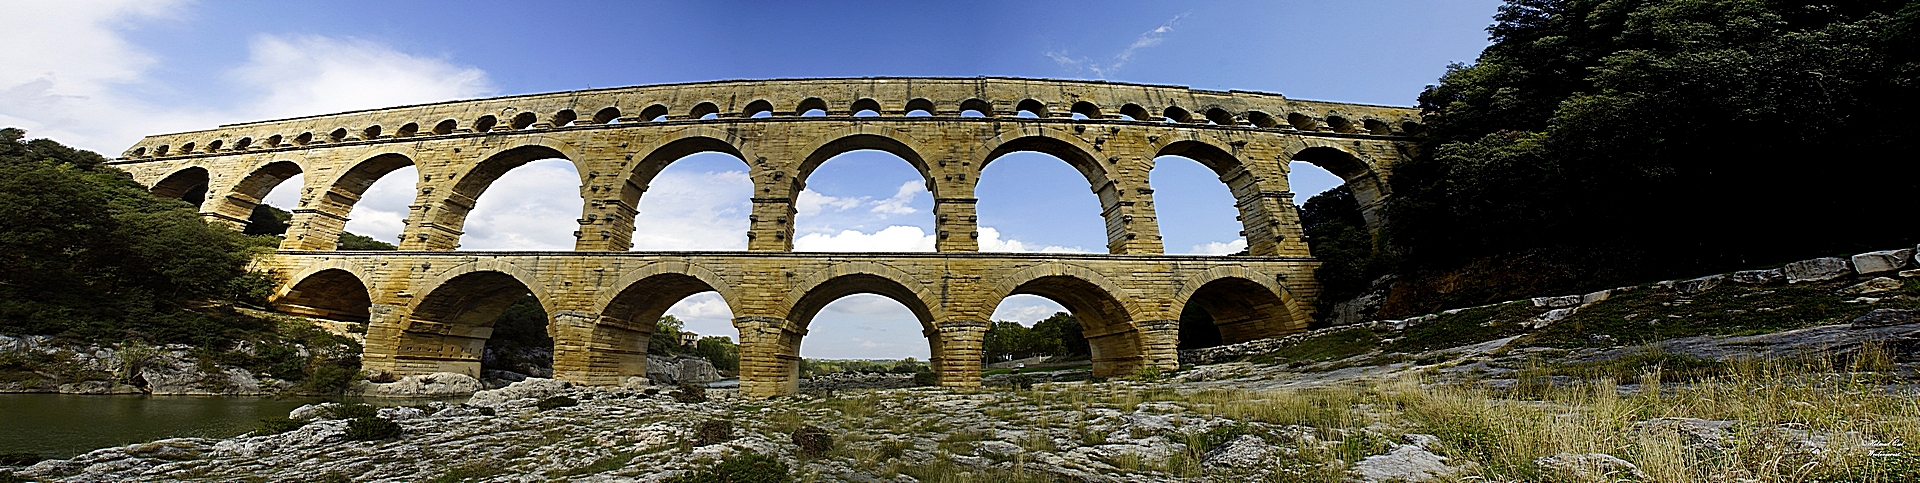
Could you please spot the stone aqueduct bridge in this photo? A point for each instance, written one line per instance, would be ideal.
(430, 307)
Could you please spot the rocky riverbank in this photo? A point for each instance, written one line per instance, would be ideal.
(42, 364)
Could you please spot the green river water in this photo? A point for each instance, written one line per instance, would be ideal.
(64, 425)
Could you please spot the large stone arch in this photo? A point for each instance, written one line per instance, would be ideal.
(447, 209)
(334, 290)
(234, 203)
(447, 328)
(188, 184)
(770, 346)
(612, 203)
(1109, 317)
(1363, 176)
(862, 137)
(901, 286)
(1127, 210)
(1243, 304)
(609, 344)
(322, 217)
(1253, 195)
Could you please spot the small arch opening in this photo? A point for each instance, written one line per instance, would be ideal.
(243, 144)
(407, 130)
(337, 135)
(1220, 116)
(485, 123)
(811, 107)
(160, 151)
(524, 120)
(1262, 119)
(1085, 110)
(1177, 114)
(920, 105)
(976, 108)
(653, 113)
(607, 115)
(445, 127)
(866, 108)
(758, 108)
(1376, 127)
(214, 146)
(1031, 108)
(704, 110)
(1133, 112)
(273, 141)
(1340, 124)
(1413, 128)
(186, 148)
(564, 118)
(1302, 122)
(371, 132)
(138, 152)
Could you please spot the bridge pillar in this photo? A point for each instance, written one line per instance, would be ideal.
(606, 226)
(769, 356)
(956, 224)
(594, 350)
(381, 352)
(1132, 228)
(434, 223)
(770, 227)
(1160, 343)
(961, 344)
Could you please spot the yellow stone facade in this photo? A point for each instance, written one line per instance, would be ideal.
(430, 307)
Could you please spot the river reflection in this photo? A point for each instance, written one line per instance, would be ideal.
(64, 425)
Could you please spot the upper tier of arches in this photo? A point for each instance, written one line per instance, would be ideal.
(939, 99)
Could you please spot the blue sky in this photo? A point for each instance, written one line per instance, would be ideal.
(100, 74)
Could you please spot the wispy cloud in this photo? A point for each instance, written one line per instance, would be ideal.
(1101, 70)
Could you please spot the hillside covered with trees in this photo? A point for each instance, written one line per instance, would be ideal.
(1599, 143)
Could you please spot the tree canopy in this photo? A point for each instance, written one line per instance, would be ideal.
(1652, 138)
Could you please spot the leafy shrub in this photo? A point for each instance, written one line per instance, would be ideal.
(925, 377)
(690, 393)
(713, 431)
(557, 402)
(813, 441)
(371, 429)
(351, 411)
(746, 467)
(8, 477)
(1020, 381)
(277, 425)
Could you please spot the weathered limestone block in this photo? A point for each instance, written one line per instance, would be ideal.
(1816, 270)
(1758, 277)
(1883, 261)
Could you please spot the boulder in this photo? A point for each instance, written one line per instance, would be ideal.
(1886, 318)
(532, 387)
(438, 384)
(1698, 285)
(1758, 277)
(678, 369)
(1558, 302)
(1406, 462)
(1816, 270)
(1883, 261)
(1247, 452)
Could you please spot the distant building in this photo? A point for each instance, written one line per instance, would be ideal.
(689, 338)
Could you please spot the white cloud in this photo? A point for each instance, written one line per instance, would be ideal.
(900, 203)
(990, 242)
(1220, 248)
(1148, 39)
(304, 75)
(890, 239)
(1026, 309)
(706, 314)
(73, 76)
(532, 207)
(812, 203)
(381, 212)
(694, 211)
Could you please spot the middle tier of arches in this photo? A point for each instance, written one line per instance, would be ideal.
(617, 166)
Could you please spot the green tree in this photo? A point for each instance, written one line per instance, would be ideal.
(719, 350)
(1062, 327)
(351, 241)
(666, 337)
(1617, 141)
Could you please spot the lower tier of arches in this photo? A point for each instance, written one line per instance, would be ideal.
(429, 312)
